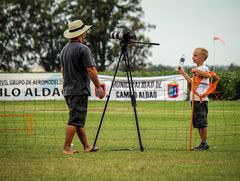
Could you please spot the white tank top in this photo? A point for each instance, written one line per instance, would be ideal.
(203, 86)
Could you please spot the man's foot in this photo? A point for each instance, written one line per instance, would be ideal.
(70, 152)
(90, 149)
(202, 146)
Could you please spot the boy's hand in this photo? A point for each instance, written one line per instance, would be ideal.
(197, 72)
(194, 70)
(184, 74)
(180, 70)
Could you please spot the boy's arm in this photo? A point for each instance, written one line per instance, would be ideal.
(185, 75)
(201, 73)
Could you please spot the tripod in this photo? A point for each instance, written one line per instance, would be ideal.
(125, 59)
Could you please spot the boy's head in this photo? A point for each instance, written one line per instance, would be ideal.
(200, 55)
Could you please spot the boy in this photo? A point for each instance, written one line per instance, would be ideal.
(200, 108)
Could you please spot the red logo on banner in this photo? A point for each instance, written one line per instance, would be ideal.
(173, 89)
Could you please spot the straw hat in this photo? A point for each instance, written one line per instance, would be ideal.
(75, 29)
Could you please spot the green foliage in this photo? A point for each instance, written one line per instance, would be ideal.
(114, 15)
(229, 85)
(32, 31)
(140, 73)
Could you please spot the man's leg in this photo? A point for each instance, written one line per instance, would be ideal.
(70, 132)
(83, 138)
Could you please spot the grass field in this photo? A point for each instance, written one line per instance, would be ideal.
(164, 126)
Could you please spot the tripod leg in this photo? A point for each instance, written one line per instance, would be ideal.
(105, 107)
(133, 98)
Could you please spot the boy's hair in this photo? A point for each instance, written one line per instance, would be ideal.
(203, 52)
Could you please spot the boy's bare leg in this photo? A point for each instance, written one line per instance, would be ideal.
(203, 134)
(70, 132)
(83, 138)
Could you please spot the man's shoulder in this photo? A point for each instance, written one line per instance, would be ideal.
(75, 44)
(84, 47)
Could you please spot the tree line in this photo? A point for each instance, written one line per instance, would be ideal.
(31, 31)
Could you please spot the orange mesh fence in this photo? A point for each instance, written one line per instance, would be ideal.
(16, 122)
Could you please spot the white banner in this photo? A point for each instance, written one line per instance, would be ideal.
(48, 86)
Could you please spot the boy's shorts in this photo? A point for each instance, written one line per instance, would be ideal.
(200, 114)
(77, 106)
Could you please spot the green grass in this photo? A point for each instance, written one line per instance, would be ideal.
(164, 128)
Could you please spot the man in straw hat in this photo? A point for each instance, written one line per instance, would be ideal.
(78, 67)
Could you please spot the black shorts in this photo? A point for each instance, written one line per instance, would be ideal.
(200, 114)
(77, 106)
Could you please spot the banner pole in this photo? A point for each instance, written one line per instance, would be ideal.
(213, 54)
